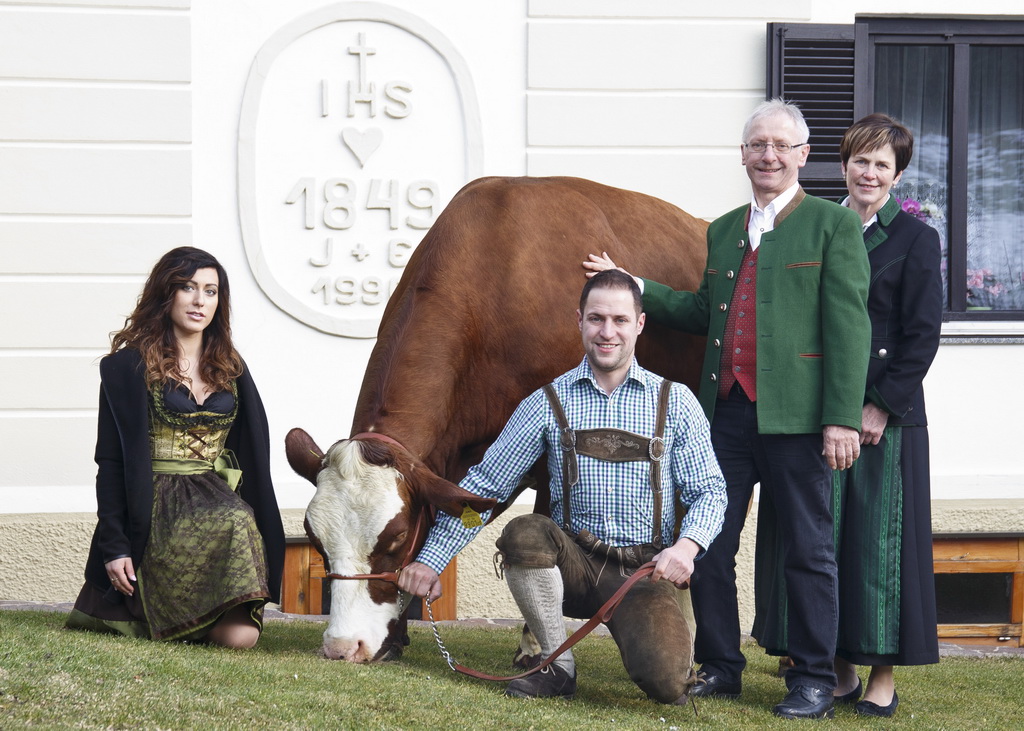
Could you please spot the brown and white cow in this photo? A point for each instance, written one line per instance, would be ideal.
(483, 316)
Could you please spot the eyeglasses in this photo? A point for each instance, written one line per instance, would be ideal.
(781, 148)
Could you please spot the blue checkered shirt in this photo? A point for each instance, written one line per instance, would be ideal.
(613, 500)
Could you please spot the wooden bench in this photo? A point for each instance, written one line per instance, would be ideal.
(305, 591)
(979, 583)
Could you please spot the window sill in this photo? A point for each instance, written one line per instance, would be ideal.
(961, 332)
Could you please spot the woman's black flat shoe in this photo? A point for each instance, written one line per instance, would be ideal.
(867, 708)
(852, 696)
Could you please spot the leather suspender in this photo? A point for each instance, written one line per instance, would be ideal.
(567, 440)
(655, 450)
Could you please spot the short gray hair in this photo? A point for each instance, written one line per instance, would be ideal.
(776, 107)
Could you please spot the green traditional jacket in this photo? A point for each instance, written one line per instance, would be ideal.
(813, 333)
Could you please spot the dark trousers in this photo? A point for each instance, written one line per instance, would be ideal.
(793, 472)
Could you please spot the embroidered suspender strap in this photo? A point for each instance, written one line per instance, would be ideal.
(567, 440)
(656, 450)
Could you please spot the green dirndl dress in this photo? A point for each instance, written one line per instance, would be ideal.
(883, 541)
(205, 554)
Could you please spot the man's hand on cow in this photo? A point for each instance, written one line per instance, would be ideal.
(597, 264)
(604, 262)
(420, 579)
(873, 422)
(841, 446)
(675, 563)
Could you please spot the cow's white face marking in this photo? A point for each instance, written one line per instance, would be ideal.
(353, 504)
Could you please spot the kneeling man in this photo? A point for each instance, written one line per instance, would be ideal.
(621, 444)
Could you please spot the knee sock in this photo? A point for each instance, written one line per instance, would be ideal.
(538, 593)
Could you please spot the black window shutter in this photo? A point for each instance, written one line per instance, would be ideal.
(813, 66)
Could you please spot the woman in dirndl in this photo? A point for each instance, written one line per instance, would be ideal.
(882, 505)
(189, 543)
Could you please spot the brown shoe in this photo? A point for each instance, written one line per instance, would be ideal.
(549, 682)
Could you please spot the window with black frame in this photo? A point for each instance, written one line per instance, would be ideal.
(958, 84)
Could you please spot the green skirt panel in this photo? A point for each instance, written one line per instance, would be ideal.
(205, 555)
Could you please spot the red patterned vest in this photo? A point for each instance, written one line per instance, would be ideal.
(739, 346)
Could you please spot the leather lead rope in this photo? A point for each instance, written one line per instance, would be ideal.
(603, 615)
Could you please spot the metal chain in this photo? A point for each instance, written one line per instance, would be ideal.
(437, 635)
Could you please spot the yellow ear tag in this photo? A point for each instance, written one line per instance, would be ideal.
(470, 518)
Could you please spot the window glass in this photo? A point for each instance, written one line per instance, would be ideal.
(995, 155)
(958, 84)
(912, 85)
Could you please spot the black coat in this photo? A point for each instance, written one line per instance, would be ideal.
(124, 480)
(905, 308)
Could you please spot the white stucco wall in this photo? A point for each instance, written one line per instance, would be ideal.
(119, 129)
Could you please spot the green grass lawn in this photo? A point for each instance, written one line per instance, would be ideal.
(53, 678)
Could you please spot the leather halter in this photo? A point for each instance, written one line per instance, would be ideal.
(363, 435)
(423, 521)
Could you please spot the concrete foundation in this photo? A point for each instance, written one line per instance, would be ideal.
(42, 555)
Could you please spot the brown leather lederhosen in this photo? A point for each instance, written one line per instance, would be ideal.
(613, 445)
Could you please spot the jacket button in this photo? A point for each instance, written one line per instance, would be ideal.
(718, 343)
(713, 378)
(723, 307)
(730, 274)
(739, 244)
(882, 352)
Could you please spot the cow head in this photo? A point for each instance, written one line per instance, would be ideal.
(369, 495)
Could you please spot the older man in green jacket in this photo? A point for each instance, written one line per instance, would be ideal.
(783, 305)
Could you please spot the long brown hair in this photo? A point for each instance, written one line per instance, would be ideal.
(149, 329)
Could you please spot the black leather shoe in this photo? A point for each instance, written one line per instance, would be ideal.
(867, 708)
(709, 685)
(806, 702)
(549, 682)
(852, 697)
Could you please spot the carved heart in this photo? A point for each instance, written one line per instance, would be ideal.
(362, 144)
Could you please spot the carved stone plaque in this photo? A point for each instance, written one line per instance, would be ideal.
(359, 123)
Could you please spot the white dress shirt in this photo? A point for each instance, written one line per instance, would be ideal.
(864, 227)
(762, 220)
